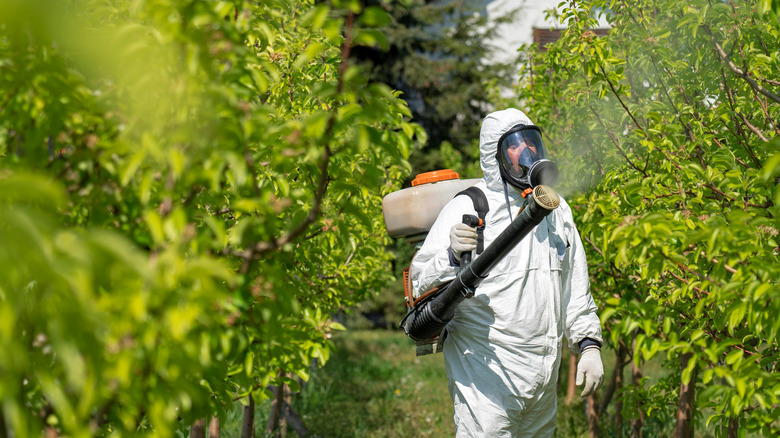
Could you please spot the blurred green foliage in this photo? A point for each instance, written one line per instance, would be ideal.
(188, 190)
(667, 134)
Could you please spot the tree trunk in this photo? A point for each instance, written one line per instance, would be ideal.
(636, 377)
(684, 426)
(286, 400)
(248, 424)
(214, 431)
(733, 429)
(571, 386)
(295, 421)
(198, 429)
(618, 387)
(592, 413)
(275, 416)
(3, 429)
(290, 418)
(616, 378)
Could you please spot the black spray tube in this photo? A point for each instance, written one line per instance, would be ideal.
(427, 319)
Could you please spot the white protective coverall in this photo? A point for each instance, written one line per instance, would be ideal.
(503, 346)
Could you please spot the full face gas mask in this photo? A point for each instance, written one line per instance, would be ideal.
(523, 159)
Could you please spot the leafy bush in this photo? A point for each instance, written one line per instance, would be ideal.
(666, 130)
(188, 191)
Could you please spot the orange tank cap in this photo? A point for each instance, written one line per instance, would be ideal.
(435, 176)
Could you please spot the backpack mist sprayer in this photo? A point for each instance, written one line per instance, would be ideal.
(427, 315)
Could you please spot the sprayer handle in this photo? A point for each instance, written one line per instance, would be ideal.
(474, 222)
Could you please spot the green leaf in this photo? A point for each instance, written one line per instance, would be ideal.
(771, 168)
(370, 38)
(29, 188)
(734, 356)
(764, 6)
(249, 363)
(315, 18)
(688, 371)
(130, 167)
(736, 313)
(374, 16)
(155, 225)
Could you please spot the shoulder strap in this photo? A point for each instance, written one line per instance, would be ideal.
(481, 206)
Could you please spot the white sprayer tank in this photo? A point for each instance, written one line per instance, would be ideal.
(411, 212)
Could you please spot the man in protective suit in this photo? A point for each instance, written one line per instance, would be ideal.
(503, 346)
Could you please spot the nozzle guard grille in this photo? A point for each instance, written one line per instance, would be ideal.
(546, 197)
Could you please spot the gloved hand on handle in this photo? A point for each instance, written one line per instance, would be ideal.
(462, 238)
(590, 370)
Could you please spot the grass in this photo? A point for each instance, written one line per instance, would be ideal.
(375, 386)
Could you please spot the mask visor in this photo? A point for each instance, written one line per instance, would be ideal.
(519, 149)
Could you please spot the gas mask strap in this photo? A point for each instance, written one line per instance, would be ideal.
(506, 196)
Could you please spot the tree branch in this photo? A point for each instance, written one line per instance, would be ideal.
(745, 143)
(697, 289)
(261, 248)
(294, 420)
(616, 380)
(612, 87)
(688, 129)
(615, 142)
(753, 129)
(687, 269)
(770, 81)
(733, 67)
(587, 239)
(742, 163)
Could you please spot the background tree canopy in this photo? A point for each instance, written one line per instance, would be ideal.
(439, 57)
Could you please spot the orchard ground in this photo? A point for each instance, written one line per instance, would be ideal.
(375, 386)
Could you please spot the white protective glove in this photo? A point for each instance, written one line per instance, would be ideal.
(462, 238)
(590, 370)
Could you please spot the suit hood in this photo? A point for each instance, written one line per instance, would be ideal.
(494, 125)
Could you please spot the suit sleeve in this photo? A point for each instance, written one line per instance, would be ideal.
(580, 309)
